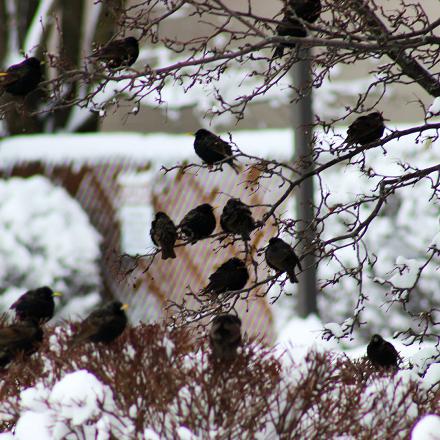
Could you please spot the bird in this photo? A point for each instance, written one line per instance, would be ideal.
(212, 149)
(225, 336)
(36, 304)
(382, 353)
(308, 10)
(164, 234)
(236, 218)
(288, 27)
(231, 275)
(103, 325)
(281, 257)
(118, 53)
(366, 129)
(22, 78)
(23, 336)
(198, 223)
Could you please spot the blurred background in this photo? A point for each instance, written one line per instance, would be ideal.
(80, 185)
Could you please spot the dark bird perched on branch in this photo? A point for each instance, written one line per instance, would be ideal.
(23, 336)
(382, 353)
(103, 325)
(231, 275)
(36, 305)
(237, 218)
(225, 336)
(118, 53)
(289, 27)
(198, 223)
(164, 234)
(281, 257)
(308, 10)
(212, 149)
(366, 129)
(20, 79)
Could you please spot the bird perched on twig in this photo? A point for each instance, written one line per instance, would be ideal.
(118, 53)
(237, 218)
(308, 10)
(382, 353)
(164, 234)
(22, 78)
(225, 336)
(231, 275)
(212, 149)
(37, 305)
(23, 336)
(281, 257)
(289, 27)
(198, 223)
(366, 129)
(103, 325)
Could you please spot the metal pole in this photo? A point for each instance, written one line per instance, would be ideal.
(302, 120)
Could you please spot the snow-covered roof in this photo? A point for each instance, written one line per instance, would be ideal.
(157, 147)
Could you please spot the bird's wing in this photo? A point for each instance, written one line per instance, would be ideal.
(221, 147)
(14, 334)
(114, 49)
(18, 303)
(357, 125)
(89, 326)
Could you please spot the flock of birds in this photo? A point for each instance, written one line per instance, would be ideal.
(236, 218)
(36, 307)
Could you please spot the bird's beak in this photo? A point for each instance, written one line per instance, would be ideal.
(124, 307)
(57, 294)
(188, 133)
(3, 74)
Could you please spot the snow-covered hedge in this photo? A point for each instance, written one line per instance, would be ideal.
(155, 383)
(46, 239)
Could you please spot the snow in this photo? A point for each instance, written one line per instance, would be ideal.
(432, 376)
(408, 273)
(334, 328)
(427, 428)
(150, 434)
(38, 25)
(70, 407)
(434, 109)
(158, 147)
(185, 434)
(78, 397)
(47, 239)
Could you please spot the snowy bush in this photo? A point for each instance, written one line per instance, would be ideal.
(47, 239)
(157, 383)
(394, 268)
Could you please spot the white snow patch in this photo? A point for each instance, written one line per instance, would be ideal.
(335, 329)
(427, 428)
(434, 109)
(406, 276)
(78, 397)
(432, 376)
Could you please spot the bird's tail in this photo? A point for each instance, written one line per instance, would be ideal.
(292, 276)
(278, 52)
(237, 168)
(168, 253)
